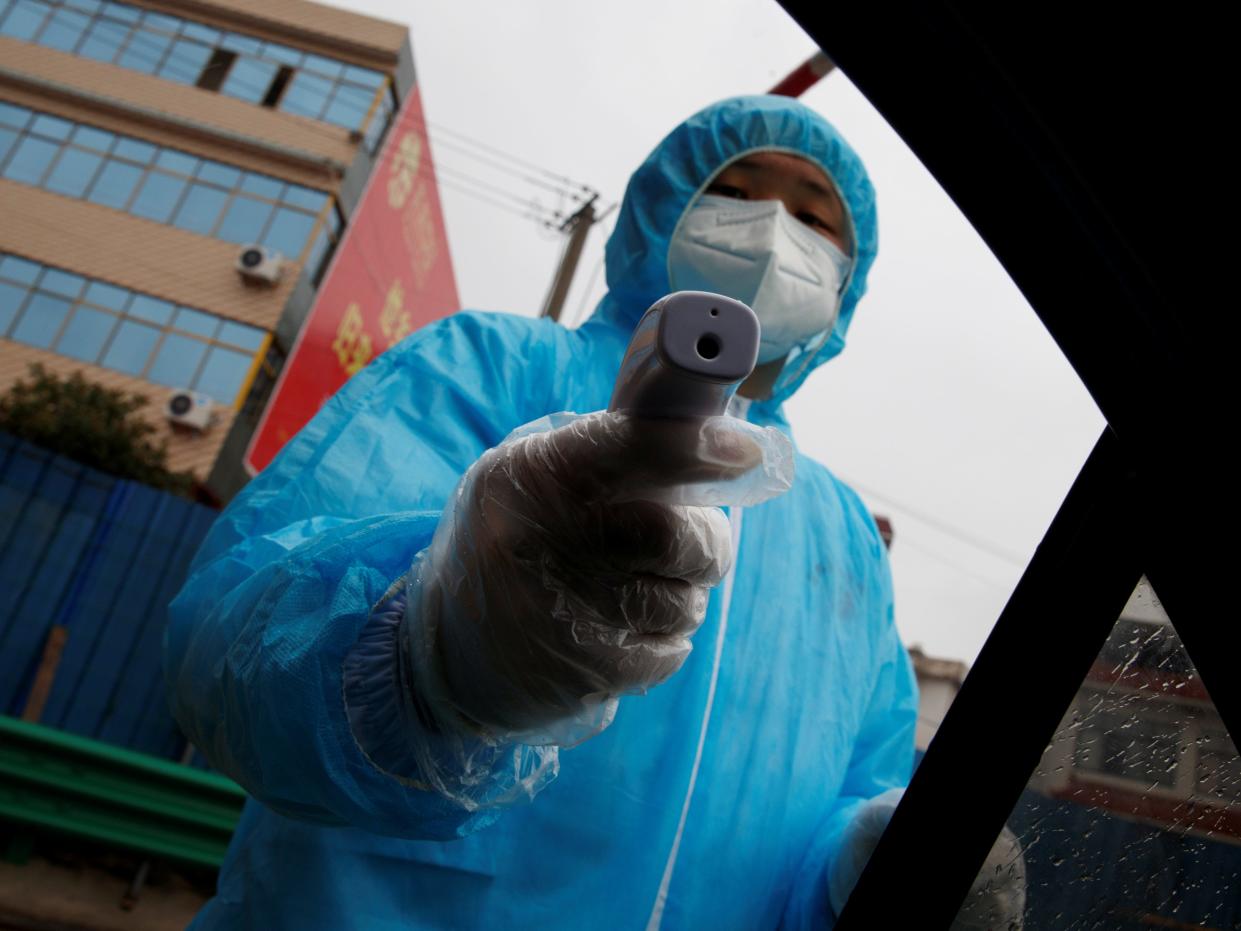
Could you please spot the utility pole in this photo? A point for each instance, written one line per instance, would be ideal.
(577, 226)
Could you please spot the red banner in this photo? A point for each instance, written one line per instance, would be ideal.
(391, 275)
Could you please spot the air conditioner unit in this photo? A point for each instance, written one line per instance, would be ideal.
(258, 263)
(187, 408)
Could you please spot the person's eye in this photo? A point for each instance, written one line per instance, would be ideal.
(727, 190)
(815, 222)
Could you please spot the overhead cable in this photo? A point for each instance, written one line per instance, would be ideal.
(944, 527)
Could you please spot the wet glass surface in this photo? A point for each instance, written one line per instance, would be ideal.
(1133, 818)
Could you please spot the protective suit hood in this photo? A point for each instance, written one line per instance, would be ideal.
(663, 187)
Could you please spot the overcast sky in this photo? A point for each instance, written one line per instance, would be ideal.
(951, 411)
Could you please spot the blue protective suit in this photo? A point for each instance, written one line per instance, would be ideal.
(717, 800)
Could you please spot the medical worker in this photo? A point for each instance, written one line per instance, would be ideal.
(452, 664)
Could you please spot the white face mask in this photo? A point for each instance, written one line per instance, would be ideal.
(759, 253)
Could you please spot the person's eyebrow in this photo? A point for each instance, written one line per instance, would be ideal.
(818, 187)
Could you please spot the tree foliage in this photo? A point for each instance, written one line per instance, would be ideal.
(92, 424)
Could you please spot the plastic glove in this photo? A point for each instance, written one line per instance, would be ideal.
(997, 899)
(573, 565)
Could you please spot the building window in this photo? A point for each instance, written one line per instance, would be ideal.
(167, 186)
(1218, 773)
(127, 331)
(1146, 750)
(265, 73)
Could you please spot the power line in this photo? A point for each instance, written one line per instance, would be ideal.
(590, 284)
(965, 570)
(942, 526)
(552, 215)
(499, 205)
(439, 127)
(529, 179)
(579, 192)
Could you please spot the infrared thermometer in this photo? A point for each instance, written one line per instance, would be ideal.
(687, 357)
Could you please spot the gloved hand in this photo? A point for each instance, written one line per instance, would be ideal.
(996, 900)
(574, 564)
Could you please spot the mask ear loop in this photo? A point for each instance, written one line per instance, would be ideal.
(786, 376)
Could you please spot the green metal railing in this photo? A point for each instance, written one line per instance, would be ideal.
(62, 782)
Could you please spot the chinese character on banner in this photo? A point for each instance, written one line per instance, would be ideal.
(418, 226)
(352, 346)
(391, 274)
(394, 319)
(404, 170)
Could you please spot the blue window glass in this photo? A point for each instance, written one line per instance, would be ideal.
(249, 79)
(216, 173)
(243, 44)
(135, 151)
(282, 53)
(306, 95)
(103, 40)
(176, 361)
(238, 334)
(349, 106)
(176, 161)
(161, 22)
(378, 125)
(88, 6)
(107, 295)
(64, 30)
(90, 138)
(66, 284)
(73, 172)
(145, 307)
(317, 251)
(223, 373)
(11, 297)
(131, 347)
(29, 160)
(185, 62)
(262, 186)
(304, 197)
(41, 320)
(204, 34)
(244, 220)
(145, 51)
(288, 231)
(13, 115)
(6, 142)
(200, 209)
(24, 19)
(115, 184)
(158, 197)
(19, 270)
(52, 127)
(122, 11)
(364, 76)
(196, 322)
(86, 334)
(324, 66)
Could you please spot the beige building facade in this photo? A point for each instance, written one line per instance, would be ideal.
(143, 148)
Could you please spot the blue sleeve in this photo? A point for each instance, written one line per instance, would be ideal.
(882, 759)
(285, 583)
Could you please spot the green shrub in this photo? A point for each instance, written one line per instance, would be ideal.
(94, 425)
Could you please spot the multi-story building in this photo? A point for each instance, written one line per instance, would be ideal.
(143, 147)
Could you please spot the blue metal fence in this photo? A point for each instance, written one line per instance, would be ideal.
(101, 557)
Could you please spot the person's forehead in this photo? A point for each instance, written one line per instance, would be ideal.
(787, 168)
